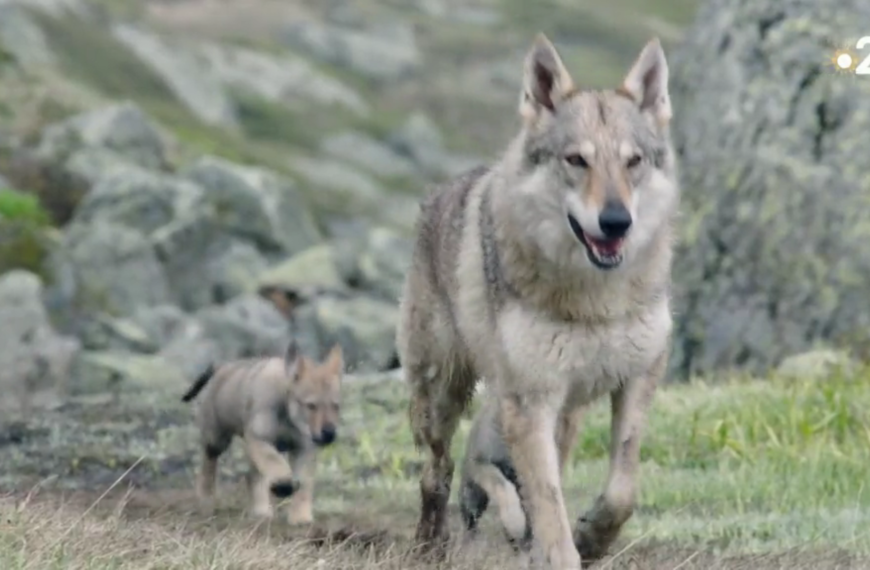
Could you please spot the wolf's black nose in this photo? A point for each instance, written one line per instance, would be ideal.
(614, 220)
(327, 435)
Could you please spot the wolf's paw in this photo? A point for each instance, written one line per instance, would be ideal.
(283, 488)
(592, 541)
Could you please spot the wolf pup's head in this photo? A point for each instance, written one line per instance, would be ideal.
(315, 399)
(596, 167)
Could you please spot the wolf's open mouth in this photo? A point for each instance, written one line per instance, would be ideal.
(603, 253)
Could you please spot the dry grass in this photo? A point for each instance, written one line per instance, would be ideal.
(145, 530)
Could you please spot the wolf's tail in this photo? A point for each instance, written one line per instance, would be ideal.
(199, 384)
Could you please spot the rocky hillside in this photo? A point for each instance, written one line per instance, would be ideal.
(198, 179)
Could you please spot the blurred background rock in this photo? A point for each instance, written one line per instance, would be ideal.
(192, 180)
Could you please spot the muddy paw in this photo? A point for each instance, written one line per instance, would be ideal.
(283, 488)
(592, 542)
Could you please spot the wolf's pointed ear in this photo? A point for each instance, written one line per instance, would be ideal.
(545, 79)
(335, 360)
(294, 364)
(647, 82)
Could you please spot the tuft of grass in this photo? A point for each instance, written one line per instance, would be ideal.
(22, 225)
(21, 207)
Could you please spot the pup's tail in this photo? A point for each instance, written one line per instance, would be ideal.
(199, 384)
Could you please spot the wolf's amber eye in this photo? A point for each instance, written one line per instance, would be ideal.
(634, 161)
(576, 160)
(312, 407)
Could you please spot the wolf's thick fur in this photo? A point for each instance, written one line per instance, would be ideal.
(277, 406)
(548, 274)
(488, 477)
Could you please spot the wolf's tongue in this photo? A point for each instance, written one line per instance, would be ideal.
(606, 246)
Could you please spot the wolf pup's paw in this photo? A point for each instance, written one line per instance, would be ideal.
(283, 488)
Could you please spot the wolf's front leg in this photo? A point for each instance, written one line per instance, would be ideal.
(529, 430)
(598, 528)
(299, 509)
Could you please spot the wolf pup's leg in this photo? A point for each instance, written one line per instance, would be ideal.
(439, 396)
(473, 502)
(212, 449)
(529, 430)
(505, 496)
(299, 509)
(270, 474)
(599, 527)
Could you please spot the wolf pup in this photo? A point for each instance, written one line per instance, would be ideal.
(488, 475)
(277, 406)
(548, 274)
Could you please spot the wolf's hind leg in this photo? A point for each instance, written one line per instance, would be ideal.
(440, 395)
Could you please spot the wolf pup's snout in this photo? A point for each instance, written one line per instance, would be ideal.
(327, 435)
(614, 220)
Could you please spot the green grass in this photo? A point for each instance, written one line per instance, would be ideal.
(22, 225)
(743, 465)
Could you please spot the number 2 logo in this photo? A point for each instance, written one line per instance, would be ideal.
(863, 67)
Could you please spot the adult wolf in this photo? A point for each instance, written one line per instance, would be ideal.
(548, 273)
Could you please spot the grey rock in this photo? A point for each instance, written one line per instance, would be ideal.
(386, 52)
(816, 364)
(115, 372)
(363, 325)
(384, 262)
(183, 73)
(120, 127)
(773, 257)
(365, 152)
(91, 164)
(35, 360)
(102, 332)
(133, 197)
(421, 141)
(246, 326)
(254, 203)
(306, 274)
(181, 338)
(281, 79)
(22, 38)
(108, 268)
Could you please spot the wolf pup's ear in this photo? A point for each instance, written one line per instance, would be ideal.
(293, 362)
(647, 82)
(335, 360)
(546, 81)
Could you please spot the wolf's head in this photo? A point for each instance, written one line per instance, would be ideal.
(315, 399)
(593, 170)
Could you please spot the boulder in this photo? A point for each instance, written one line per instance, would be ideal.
(105, 267)
(420, 140)
(365, 152)
(35, 361)
(99, 372)
(247, 326)
(816, 364)
(306, 274)
(182, 72)
(776, 184)
(378, 262)
(254, 203)
(281, 79)
(384, 52)
(365, 327)
(181, 339)
(121, 127)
